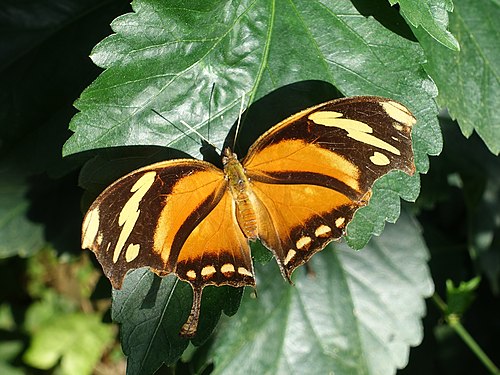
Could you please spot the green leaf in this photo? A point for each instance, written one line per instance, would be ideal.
(353, 313)
(151, 311)
(11, 345)
(43, 311)
(432, 16)
(275, 57)
(383, 203)
(73, 342)
(167, 58)
(18, 234)
(468, 81)
(459, 298)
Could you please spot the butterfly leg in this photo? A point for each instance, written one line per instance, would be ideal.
(189, 328)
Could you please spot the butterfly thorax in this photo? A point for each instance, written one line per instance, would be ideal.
(242, 194)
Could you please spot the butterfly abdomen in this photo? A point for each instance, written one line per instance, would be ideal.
(245, 214)
(241, 191)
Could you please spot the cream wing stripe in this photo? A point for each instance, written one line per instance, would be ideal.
(90, 228)
(355, 129)
(130, 211)
(399, 113)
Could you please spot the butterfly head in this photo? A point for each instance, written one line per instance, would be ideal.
(227, 156)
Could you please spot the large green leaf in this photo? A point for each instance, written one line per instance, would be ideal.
(167, 57)
(354, 313)
(276, 56)
(469, 80)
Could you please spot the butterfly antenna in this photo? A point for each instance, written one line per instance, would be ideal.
(190, 128)
(239, 121)
(210, 108)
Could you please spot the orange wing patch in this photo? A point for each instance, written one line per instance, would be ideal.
(299, 157)
(216, 251)
(188, 198)
(303, 219)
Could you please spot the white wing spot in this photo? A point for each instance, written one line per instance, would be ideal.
(90, 228)
(99, 239)
(244, 272)
(339, 223)
(379, 159)
(398, 126)
(399, 112)
(227, 268)
(356, 130)
(132, 252)
(289, 256)
(208, 271)
(191, 274)
(303, 242)
(323, 231)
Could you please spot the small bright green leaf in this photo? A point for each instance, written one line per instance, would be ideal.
(7, 369)
(6, 318)
(459, 298)
(469, 80)
(73, 342)
(432, 16)
(18, 234)
(10, 348)
(354, 313)
(42, 311)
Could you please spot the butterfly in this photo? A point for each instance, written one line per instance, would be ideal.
(296, 190)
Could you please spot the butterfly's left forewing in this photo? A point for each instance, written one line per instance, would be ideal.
(312, 171)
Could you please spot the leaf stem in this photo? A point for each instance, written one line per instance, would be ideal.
(453, 321)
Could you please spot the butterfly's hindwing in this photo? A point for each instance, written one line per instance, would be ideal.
(303, 219)
(216, 251)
